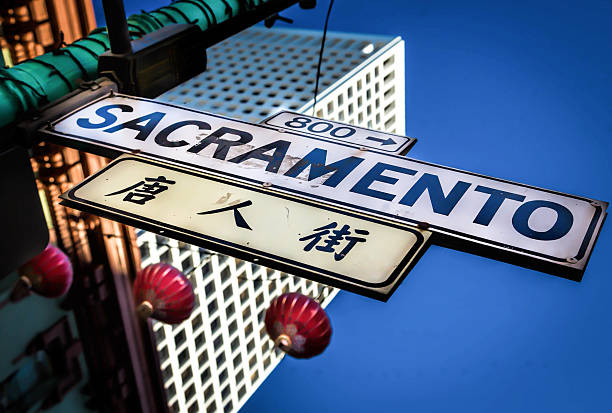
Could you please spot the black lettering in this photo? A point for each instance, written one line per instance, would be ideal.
(274, 161)
(162, 137)
(223, 145)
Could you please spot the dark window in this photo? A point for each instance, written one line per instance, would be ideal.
(205, 375)
(212, 307)
(196, 322)
(180, 338)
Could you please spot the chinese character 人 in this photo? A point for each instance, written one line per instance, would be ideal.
(238, 218)
(144, 191)
(333, 238)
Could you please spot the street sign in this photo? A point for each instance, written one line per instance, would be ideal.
(533, 227)
(305, 238)
(343, 132)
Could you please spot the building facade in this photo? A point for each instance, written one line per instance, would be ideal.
(215, 360)
(33, 27)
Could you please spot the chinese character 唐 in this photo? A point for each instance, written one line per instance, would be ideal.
(144, 191)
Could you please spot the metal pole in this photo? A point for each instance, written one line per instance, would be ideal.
(116, 25)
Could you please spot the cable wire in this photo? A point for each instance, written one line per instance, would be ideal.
(331, 3)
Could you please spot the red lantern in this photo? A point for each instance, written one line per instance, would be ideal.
(48, 274)
(162, 292)
(298, 325)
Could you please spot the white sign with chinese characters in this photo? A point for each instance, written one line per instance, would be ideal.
(342, 132)
(341, 248)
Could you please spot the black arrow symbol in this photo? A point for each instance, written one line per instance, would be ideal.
(383, 142)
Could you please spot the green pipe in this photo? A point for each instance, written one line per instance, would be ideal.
(35, 82)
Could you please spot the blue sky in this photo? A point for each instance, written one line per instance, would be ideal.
(515, 90)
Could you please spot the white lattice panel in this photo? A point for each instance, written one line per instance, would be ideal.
(260, 71)
(215, 360)
(218, 357)
(371, 95)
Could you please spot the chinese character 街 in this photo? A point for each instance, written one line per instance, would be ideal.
(333, 239)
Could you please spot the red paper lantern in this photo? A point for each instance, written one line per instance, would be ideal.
(298, 325)
(48, 274)
(162, 292)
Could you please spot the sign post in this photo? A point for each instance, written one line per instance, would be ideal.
(537, 228)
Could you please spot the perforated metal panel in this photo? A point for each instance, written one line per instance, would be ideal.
(259, 72)
(217, 359)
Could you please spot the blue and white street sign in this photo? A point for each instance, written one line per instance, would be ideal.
(533, 227)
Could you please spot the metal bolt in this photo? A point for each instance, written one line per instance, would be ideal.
(423, 225)
(363, 148)
(266, 184)
(571, 260)
(595, 203)
(281, 130)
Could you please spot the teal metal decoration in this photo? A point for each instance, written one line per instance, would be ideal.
(51, 76)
